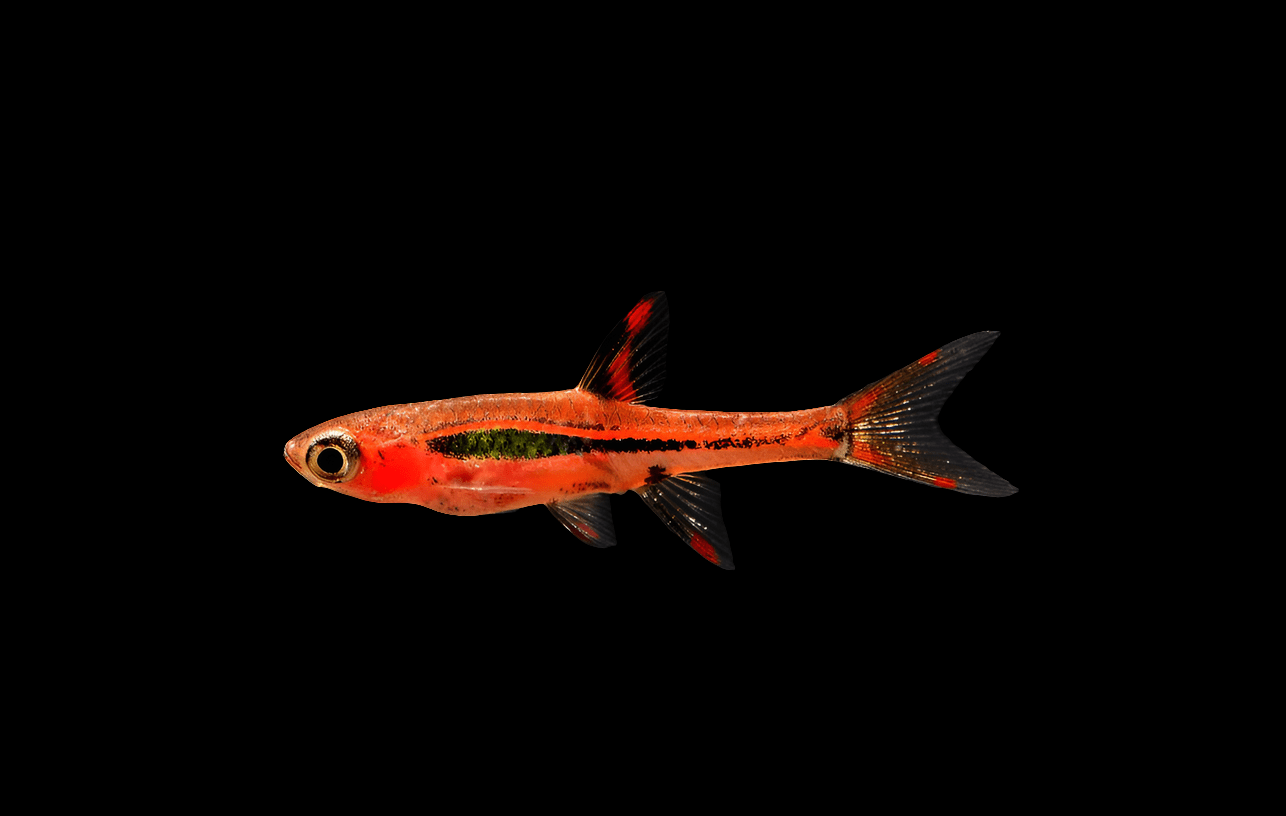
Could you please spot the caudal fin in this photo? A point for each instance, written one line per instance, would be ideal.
(892, 424)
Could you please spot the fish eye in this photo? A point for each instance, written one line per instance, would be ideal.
(334, 456)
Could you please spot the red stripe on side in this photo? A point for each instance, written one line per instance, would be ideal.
(392, 468)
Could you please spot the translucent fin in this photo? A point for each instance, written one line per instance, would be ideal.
(689, 505)
(630, 364)
(589, 518)
(893, 424)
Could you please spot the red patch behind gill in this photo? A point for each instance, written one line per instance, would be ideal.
(392, 468)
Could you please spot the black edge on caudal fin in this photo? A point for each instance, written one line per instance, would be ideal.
(589, 518)
(690, 505)
(630, 364)
(892, 424)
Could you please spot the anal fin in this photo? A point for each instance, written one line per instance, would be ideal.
(689, 504)
(589, 518)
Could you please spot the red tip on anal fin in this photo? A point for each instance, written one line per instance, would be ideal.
(943, 481)
(630, 363)
(703, 548)
(588, 517)
(928, 358)
(689, 505)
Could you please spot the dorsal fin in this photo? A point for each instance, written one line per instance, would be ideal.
(630, 364)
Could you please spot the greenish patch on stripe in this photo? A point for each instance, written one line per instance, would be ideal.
(505, 443)
(510, 443)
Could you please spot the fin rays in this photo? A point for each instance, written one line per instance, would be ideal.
(589, 518)
(630, 364)
(689, 504)
(891, 427)
(893, 424)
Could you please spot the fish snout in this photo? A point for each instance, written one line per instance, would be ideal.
(291, 452)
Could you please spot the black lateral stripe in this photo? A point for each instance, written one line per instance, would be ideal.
(511, 443)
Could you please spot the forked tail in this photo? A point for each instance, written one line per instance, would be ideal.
(893, 424)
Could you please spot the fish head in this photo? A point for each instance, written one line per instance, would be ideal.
(328, 456)
(361, 456)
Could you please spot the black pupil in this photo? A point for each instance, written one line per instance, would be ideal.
(330, 460)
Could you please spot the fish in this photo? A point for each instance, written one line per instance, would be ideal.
(571, 450)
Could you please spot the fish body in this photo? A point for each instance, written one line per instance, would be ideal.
(476, 455)
(568, 450)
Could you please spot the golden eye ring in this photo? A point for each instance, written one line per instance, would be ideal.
(325, 465)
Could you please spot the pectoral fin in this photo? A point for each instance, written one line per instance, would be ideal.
(589, 518)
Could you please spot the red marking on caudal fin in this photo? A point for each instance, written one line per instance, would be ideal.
(703, 547)
(891, 425)
(860, 405)
(864, 452)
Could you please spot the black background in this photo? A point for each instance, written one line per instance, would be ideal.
(346, 230)
(802, 258)
(773, 339)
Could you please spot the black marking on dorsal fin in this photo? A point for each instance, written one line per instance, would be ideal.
(630, 364)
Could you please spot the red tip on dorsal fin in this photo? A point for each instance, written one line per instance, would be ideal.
(630, 364)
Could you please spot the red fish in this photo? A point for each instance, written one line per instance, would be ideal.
(569, 450)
